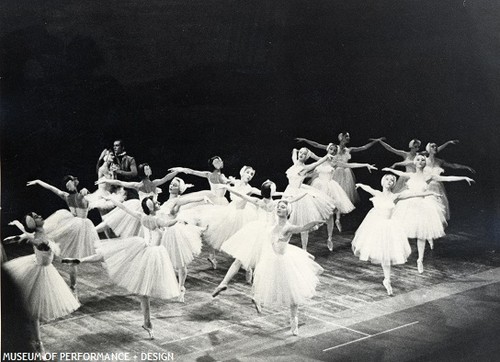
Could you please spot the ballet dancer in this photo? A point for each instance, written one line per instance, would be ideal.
(422, 218)
(285, 276)
(315, 205)
(141, 265)
(380, 239)
(45, 293)
(343, 175)
(123, 224)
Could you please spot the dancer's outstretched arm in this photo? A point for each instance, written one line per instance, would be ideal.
(442, 147)
(125, 184)
(457, 166)
(398, 173)
(365, 147)
(401, 164)
(367, 188)
(45, 185)
(389, 148)
(294, 229)
(356, 165)
(452, 179)
(312, 143)
(408, 195)
(169, 176)
(312, 166)
(245, 197)
(21, 237)
(133, 213)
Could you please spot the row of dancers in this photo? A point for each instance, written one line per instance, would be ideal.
(157, 241)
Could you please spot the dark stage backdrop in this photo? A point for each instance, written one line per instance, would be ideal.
(181, 81)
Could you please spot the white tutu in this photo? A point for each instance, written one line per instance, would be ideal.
(122, 223)
(420, 218)
(381, 240)
(314, 206)
(140, 268)
(247, 243)
(282, 280)
(346, 180)
(75, 236)
(226, 221)
(45, 293)
(438, 188)
(183, 243)
(336, 192)
(97, 201)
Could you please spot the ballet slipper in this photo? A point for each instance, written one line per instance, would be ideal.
(249, 276)
(257, 306)
(150, 331)
(70, 261)
(387, 284)
(420, 266)
(213, 261)
(338, 225)
(329, 244)
(181, 295)
(218, 290)
(294, 326)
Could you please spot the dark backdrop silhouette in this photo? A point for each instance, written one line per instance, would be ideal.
(182, 81)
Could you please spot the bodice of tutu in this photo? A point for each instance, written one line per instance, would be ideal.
(280, 240)
(148, 188)
(295, 176)
(325, 171)
(417, 185)
(267, 209)
(44, 257)
(152, 233)
(345, 156)
(217, 189)
(167, 208)
(78, 205)
(243, 189)
(383, 205)
(434, 170)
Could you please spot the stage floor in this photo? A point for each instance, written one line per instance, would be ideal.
(450, 312)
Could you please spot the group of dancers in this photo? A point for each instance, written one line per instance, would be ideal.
(150, 245)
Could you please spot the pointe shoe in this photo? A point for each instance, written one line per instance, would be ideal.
(150, 331)
(420, 266)
(329, 244)
(431, 244)
(218, 290)
(213, 261)
(387, 284)
(249, 276)
(181, 295)
(338, 225)
(257, 306)
(70, 261)
(294, 326)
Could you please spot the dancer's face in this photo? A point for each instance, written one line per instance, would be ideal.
(248, 175)
(303, 153)
(282, 209)
(174, 187)
(432, 148)
(218, 163)
(388, 182)
(332, 150)
(147, 171)
(38, 219)
(117, 147)
(419, 161)
(72, 185)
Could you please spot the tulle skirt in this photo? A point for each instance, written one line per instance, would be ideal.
(226, 221)
(337, 193)
(420, 218)
(122, 223)
(75, 236)
(438, 188)
(381, 240)
(314, 206)
(346, 180)
(140, 268)
(183, 243)
(246, 244)
(45, 293)
(285, 280)
(96, 199)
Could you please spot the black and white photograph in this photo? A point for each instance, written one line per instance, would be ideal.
(238, 180)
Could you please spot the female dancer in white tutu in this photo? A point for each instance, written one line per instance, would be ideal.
(123, 224)
(408, 157)
(215, 179)
(71, 230)
(141, 265)
(183, 240)
(379, 238)
(315, 205)
(45, 293)
(227, 220)
(285, 276)
(325, 182)
(422, 218)
(435, 166)
(343, 175)
(246, 244)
